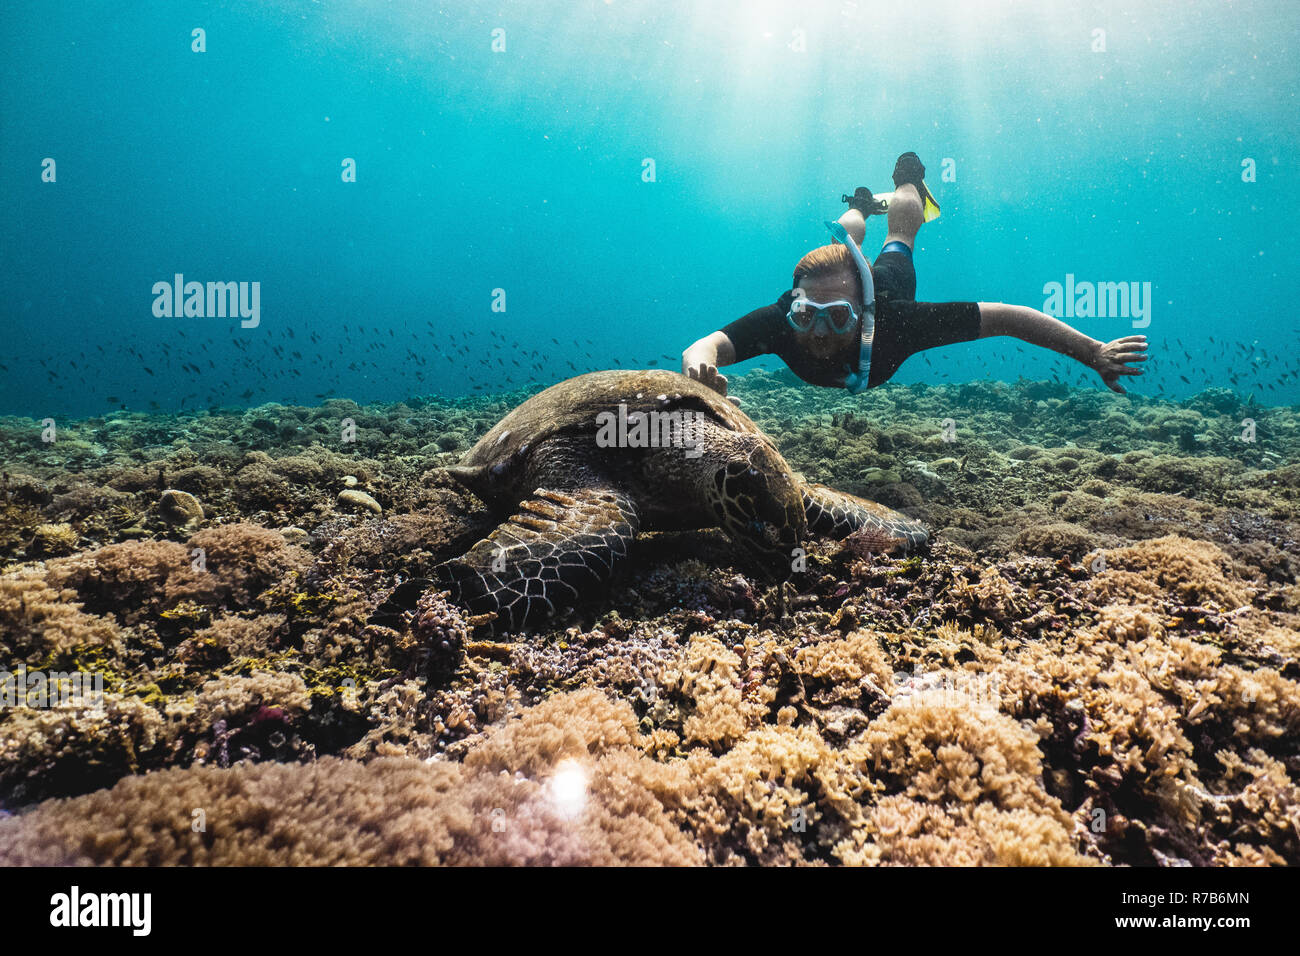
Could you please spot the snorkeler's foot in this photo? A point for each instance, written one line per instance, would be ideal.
(864, 202)
(908, 170)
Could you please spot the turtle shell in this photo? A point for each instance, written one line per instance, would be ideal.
(572, 406)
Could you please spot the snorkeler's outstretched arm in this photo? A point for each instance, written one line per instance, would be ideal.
(702, 359)
(1110, 360)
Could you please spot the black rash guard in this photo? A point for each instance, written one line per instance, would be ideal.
(903, 328)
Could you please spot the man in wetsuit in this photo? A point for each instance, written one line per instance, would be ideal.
(829, 333)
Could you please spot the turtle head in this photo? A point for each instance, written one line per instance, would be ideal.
(491, 482)
(471, 476)
(496, 467)
(760, 505)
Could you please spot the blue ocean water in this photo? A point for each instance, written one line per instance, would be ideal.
(503, 155)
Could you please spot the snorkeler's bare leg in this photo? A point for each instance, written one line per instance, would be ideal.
(906, 214)
(855, 224)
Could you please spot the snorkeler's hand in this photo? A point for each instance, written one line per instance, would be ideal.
(1112, 358)
(708, 375)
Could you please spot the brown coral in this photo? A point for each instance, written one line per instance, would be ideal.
(129, 579)
(552, 788)
(1193, 571)
(42, 624)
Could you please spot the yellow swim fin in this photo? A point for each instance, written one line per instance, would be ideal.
(929, 208)
(927, 202)
(908, 169)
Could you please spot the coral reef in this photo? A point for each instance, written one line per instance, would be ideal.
(553, 787)
(1097, 663)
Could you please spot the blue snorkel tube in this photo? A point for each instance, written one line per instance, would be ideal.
(856, 382)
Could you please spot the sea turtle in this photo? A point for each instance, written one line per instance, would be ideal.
(583, 466)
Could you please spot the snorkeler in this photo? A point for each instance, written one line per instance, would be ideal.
(847, 325)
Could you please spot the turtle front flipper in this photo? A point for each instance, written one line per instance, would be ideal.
(834, 514)
(556, 549)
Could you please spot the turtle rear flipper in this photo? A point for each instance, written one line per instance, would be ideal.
(834, 514)
(555, 550)
(403, 598)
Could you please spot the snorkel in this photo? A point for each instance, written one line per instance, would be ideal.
(856, 382)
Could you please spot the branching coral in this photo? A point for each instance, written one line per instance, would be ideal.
(42, 625)
(550, 788)
(1193, 571)
(59, 751)
(710, 677)
(129, 579)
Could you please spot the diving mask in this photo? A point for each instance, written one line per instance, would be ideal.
(839, 316)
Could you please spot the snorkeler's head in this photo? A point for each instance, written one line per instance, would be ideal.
(825, 275)
(828, 272)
